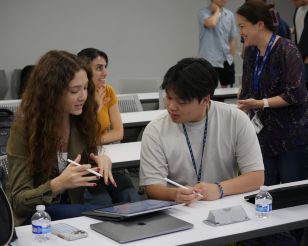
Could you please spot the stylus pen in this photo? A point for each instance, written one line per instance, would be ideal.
(180, 186)
(89, 170)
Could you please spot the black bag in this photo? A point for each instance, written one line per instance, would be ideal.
(8, 233)
(7, 230)
(6, 119)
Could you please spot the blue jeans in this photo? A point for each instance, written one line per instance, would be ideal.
(287, 167)
(124, 192)
(65, 211)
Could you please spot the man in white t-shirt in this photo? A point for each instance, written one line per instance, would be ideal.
(199, 143)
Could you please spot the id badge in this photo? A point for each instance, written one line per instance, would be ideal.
(257, 123)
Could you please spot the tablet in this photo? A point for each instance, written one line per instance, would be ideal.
(128, 210)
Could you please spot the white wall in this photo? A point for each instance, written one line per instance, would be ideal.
(143, 38)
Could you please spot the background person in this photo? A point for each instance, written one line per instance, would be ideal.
(110, 120)
(301, 30)
(217, 39)
(108, 111)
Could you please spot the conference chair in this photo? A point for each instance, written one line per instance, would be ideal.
(15, 83)
(3, 84)
(129, 103)
(10, 104)
(24, 76)
(161, 103)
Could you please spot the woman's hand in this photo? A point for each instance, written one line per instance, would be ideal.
(105, 166)
(101, 98)
(249, 104)
(74, 176)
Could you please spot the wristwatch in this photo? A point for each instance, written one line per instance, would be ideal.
(265, 101)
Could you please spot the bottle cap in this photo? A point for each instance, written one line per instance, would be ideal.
(40, 207)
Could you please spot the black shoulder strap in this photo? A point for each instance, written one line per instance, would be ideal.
(6, 220)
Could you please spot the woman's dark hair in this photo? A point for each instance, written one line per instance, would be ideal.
(89, 54)
(191, 78)
(256, 10)
(41, 115)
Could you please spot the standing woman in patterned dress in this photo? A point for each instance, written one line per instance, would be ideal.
(274, 95)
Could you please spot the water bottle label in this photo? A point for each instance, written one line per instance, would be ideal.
(38, 229)
(262, 209)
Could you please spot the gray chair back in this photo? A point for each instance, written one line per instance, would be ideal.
(129, 103)
(4, 86)
(10, 104)
(15, 83)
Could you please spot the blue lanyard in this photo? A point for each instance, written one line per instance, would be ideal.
(258, 69)
(191, 152)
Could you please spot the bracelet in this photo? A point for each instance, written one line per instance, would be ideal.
(265, 101)
(221, 190)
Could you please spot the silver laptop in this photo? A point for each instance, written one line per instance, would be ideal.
(141, 227)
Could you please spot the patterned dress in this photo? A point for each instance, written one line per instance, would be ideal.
(285, 128)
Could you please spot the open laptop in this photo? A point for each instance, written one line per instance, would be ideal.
(284, 197)
(141, 227)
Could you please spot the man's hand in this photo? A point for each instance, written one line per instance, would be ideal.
(187, 196)
(209, 191)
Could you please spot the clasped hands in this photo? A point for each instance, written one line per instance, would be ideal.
(76, 176)
(201, 191)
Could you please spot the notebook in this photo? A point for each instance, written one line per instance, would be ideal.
(286, 196)
(129, 210)
(141, 227)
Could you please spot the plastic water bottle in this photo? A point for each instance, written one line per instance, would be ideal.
(263, 203)
(41, 225)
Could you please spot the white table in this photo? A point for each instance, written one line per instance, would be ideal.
(201, 234)
(224, 93)
(219, 94)
(141, 118)
(124, 155)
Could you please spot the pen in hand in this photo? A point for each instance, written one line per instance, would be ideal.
(181, 186)
(89, 170)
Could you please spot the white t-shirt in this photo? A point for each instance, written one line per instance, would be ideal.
(299, 20)
(62, 161)
(231, 146)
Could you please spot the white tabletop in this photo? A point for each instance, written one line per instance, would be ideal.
(141, 118)
(219, 93)
(124, 154)
(280, 219)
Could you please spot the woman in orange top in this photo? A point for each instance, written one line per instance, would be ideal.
(108, 111)
(111, 123)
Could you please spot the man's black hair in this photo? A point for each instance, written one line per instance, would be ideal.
(191, 78)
